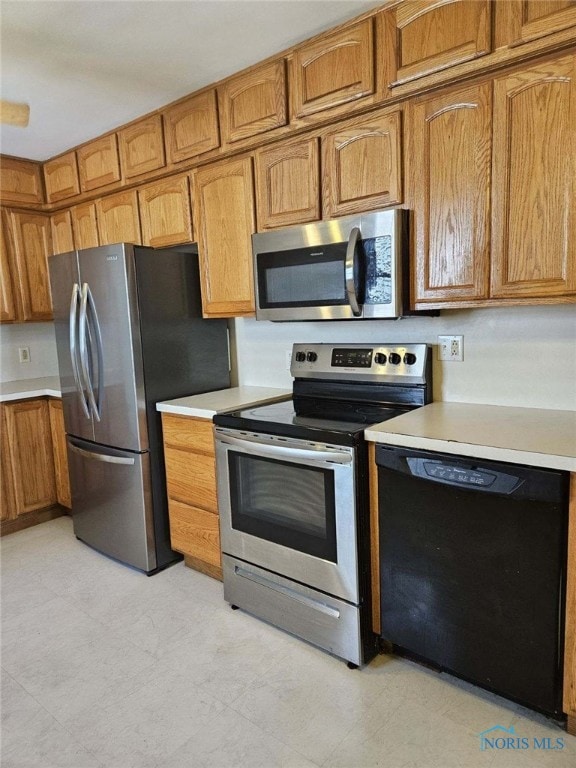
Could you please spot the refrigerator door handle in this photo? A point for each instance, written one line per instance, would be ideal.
(73, 347)
(99, 456)
(91, 306)
(86, 349)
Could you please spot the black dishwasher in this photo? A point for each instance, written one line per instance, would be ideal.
(473, 569)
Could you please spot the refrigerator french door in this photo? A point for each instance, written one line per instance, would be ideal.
(129, 332)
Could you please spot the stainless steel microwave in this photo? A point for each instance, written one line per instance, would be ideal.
(343, 269)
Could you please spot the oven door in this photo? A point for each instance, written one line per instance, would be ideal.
(289, 506)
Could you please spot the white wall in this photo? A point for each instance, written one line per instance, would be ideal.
(39, 337)
(523, 356)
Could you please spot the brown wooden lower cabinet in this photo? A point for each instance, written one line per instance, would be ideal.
(29, 494)
(191, 483)
(60, 453)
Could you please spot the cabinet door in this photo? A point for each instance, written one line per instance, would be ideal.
(98, 163)
(520, 21)
(361, 165)
(141, 147)
(534, 220)
(8, 306)
(165, 213)
(7, 502)
(30, 447)
(253, 102)
(118, 219)
(223, 195)
(61, 178)
(60, 453)
(335, 69)
(20, 181)
(288, 183)
(419, 37)
(450, 156)
(85, 226)
(62, 234)
(32, 247)
(191, 127)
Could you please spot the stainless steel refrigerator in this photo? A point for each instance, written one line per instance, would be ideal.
(129, 333)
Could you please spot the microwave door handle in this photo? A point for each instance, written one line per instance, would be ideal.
(350, 269)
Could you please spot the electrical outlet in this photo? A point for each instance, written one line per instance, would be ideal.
(288, 359)
(24, 354)
(451, 348)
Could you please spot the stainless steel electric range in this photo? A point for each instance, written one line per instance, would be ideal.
(293, 491)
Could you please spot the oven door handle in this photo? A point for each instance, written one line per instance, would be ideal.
(257, 448)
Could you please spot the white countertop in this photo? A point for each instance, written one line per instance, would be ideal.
(210, 403)
(533, 436)
(23, 388)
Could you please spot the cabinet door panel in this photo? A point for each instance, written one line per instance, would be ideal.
(98, 163)
(534, 227)
(85, 226)
(188, 433)
(165, 213)
(194, 532)
(62, 233)
(333, 70)
(520, 21)
(20, 181)
(288, 184)
(141, 147)
(118, 219)
(191, 127)
(61, 177)
(253, 102)
(191, 478)
(33, 246)
(30, 445)
(431, 36)
(8, 306)
(362, 165)
(224, 211)
(451, 155)
(60, 453)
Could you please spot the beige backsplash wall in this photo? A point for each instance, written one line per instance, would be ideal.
(522, 356)
(40, 339)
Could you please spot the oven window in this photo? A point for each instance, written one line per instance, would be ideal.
(285, 503)
(304, 277)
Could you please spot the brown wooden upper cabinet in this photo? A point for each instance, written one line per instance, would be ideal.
(98, 163)
(253, 102)
(8, 306)
(32, 245)
(334, 69)
(288, 183)
(141, 147)
(521, 21)
(85, 226)
(118, 218)
(419, 37)
(534, 172)
(62, 232)
(362, 164)
(165, 213)
(191, 127)
(20, 182)
(449, 159)
(223, 195)
(61, 177)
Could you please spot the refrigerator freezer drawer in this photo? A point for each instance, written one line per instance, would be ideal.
(112, 502)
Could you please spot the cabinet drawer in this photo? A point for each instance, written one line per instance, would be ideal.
(188, 433)
(191, 477)
(194, 532)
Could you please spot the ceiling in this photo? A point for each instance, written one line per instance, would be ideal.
(88, 66)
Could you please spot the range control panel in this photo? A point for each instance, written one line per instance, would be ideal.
(401, 363)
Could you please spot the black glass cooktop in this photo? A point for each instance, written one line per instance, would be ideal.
(323, 421)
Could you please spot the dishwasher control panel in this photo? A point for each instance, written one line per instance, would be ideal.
(452, 474)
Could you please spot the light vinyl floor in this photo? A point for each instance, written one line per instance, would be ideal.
(105, 667)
